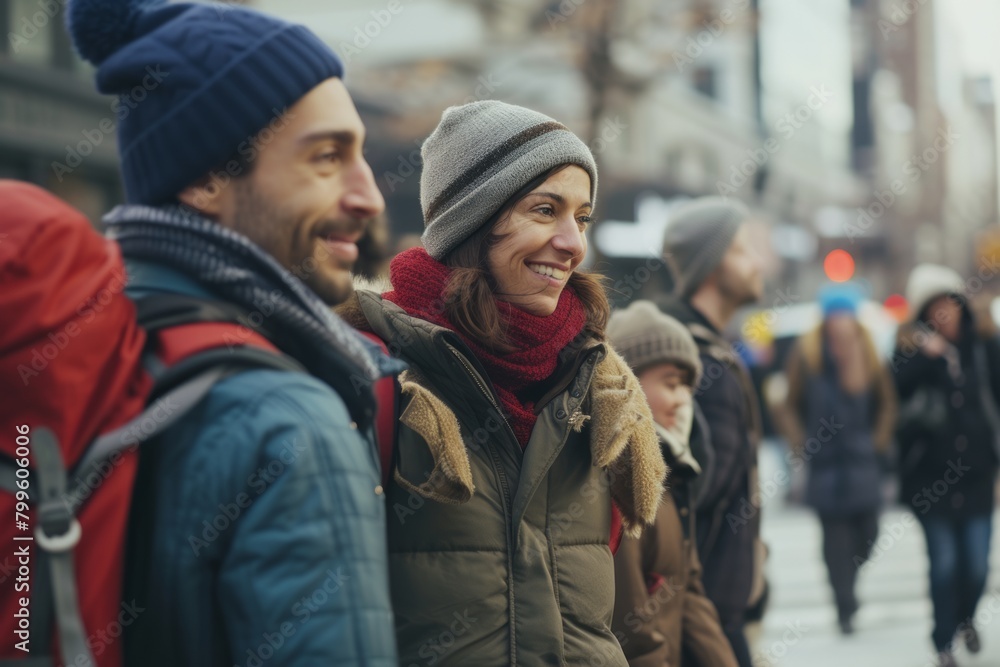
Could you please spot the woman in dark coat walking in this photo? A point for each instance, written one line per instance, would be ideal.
(947, 371)
(841, 411)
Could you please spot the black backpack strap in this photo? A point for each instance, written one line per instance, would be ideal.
(162, 311)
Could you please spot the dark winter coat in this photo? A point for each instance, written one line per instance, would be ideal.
(499, 555)
(837, 434)
(661, 611)
(952, 470)
(728, 522)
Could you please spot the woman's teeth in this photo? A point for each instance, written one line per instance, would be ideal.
(549, 271)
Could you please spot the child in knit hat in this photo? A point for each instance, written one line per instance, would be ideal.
(660, 570)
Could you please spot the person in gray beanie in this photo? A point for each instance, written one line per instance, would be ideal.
(715, 271)
(646, 337)
(664, 356)
(514, 413)
(478, 157)
(697, 239)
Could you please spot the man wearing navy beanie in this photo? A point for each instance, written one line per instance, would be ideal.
(258, 519)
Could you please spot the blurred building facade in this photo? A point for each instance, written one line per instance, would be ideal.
(673, 98)
(933, 170)
(55, 130)
(825, 117)
(811, 115)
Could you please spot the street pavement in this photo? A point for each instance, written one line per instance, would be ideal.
(893, 627)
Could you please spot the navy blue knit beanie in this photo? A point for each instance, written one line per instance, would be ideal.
(194, 82)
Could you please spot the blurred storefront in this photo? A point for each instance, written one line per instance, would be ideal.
(55, 130)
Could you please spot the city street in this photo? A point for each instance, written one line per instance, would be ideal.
(893, 627)
(410, 301)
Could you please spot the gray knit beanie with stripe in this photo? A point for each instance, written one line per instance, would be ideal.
(479, 156)
(697, 238)
(645, 337)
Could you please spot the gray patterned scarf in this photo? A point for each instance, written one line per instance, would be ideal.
(231, 266)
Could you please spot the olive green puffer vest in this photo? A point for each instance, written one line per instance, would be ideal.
(499, 556)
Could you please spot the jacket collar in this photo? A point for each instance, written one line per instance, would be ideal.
(433, 347)
(622, 437)
(682, 310)
(622, 440)
(677, 453)
(705, 333)
(148, 278)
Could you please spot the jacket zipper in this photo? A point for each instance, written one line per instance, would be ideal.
(508, 499)
(486, 392)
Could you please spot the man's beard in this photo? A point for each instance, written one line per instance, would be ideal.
(267, 225)
(739, 291)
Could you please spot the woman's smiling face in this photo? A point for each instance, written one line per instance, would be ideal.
(542, 242)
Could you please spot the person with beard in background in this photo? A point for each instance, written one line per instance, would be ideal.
(715, 271)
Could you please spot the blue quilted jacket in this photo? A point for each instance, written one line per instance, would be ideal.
(268, 527)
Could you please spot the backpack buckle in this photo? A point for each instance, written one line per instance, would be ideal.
(57, 530)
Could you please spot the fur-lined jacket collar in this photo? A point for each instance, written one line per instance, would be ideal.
(623, 439)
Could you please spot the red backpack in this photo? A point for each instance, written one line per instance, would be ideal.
(87, 376)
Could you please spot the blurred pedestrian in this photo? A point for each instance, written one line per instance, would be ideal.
(247, 189)
(708, 248)
(840, 413)
(947, 371)
(518, 424)
(661, 611)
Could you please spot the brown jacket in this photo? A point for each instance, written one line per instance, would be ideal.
(661, 611)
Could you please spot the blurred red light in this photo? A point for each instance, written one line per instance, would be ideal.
(839, 266)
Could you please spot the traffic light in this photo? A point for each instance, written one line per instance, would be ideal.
(839, 266)
(897, 306)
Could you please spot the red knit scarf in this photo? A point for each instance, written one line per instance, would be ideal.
(418, 282)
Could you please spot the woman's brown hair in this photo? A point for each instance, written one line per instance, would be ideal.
(469, 296)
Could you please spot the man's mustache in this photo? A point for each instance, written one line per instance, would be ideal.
(351, 227)
(348, 227)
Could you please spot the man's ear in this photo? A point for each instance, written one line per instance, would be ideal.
(204, 196)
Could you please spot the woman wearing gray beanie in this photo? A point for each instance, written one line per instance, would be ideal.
(524, 443)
